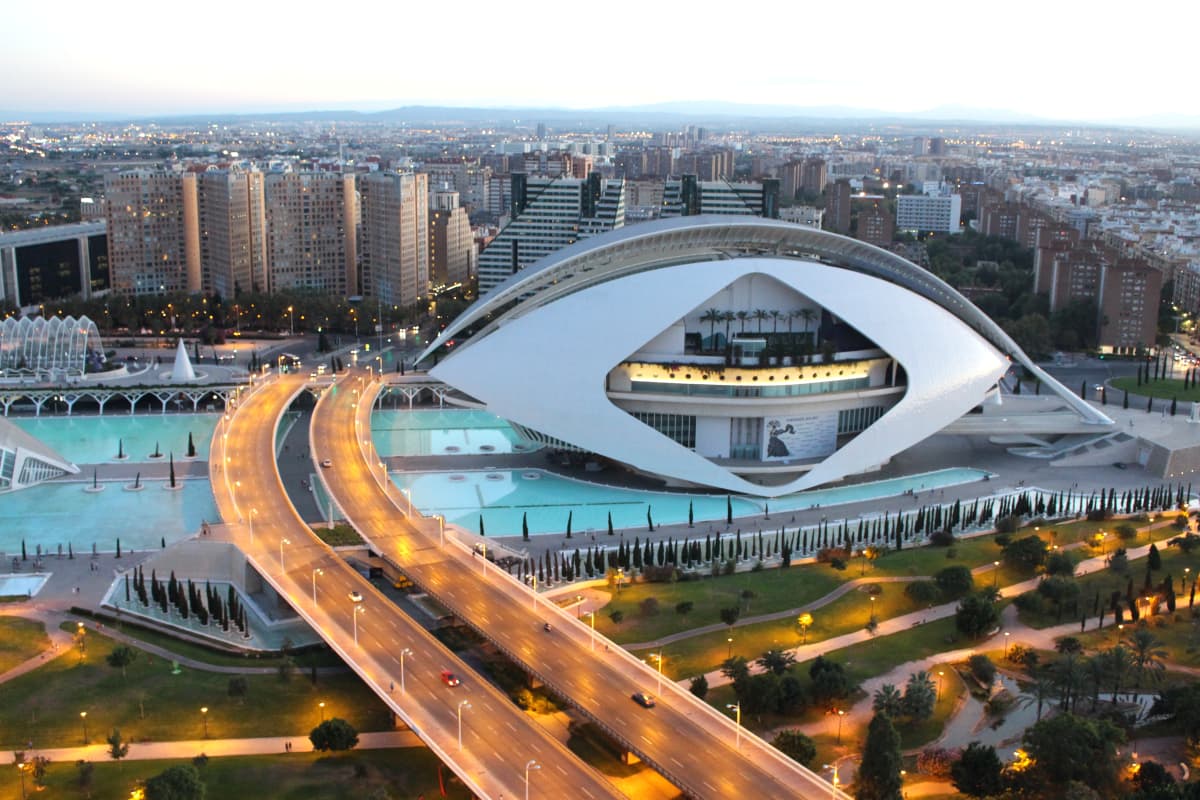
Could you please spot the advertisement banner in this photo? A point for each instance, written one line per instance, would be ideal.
(799, 437)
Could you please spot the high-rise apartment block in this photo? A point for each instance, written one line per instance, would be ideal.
(232, 219)
(689, 196)
(312, 222)
(875, 224)
(153, 232)
(837, 207)
(395, 236)
(547, 215)
(935, 213)
(451, 243)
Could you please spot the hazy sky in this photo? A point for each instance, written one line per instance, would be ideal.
(1049, 58)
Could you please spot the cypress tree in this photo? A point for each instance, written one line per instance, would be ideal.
(691, 516)
(570, 516)
(610, 527)
(1125, 400)
(728, 510)
(879, 773)
(525, 526)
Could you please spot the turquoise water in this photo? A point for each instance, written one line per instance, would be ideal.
(54, 514)
(442, 432)
(504, 497)
(94, 439)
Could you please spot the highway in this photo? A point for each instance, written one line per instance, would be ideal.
(693, 745)
(473, 727)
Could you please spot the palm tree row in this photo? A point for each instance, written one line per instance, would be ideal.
(715, 315)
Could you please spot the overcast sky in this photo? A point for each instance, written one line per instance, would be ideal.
(1049, 58)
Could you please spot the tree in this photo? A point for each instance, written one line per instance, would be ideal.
(699, 686)
(796, 746)
(758, 693)
(1068, 748)
(923, 593)
(982, 668)
(181, 782)
(977, 773)
(648, 607)
(735, 669)
(730, 615)
(976, 615)
(776, 661)
(1153, 558)
(1060, 562)
(1028, 553)
(121, 657)
(86, 769)
(888, 700)
(116, 748)
(919, 696)
(879, 772)
(954, 581)
(1147, 654)
(829, 681)
(333, 734)
(684, 608)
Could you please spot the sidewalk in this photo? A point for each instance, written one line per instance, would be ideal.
(271, 745)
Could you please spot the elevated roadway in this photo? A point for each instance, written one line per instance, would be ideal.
(694, 746)
(398, 659)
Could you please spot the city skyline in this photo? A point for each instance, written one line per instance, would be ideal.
(129, 64)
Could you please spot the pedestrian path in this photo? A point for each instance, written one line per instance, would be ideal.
(214, 748)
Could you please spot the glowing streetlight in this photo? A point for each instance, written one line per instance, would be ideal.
(805, 620)
(995, 572)
(408, 499)
(1006, 635)
(282, 542)
(737, 710)
(729, 652)
(461, 705)
(941, 674)
(315, 573)
(530, 764)
(83, 719)
(841, 714)
(204, 716)
(357, 610)
(592, 617)
(403, 652)
(291, 322)
(253, 511)
(321, 705)
(659, 658)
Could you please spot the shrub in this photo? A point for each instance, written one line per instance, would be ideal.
(649, 607)
(616, 616)
(1002, 539)
(1126, 531)
(936, 761)
(1008, 524)
(1060, 563)
(838, 563)
(826, 555)
(1030, 602)
(699, 686)
(1098, 515)
(941, 538)
(923, 592)
(982, 668)
(954, 581)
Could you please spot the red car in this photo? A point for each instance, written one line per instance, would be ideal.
(449, 678)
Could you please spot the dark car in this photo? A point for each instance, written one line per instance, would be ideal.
(644, 700)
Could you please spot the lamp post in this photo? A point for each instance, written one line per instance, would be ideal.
(253, 511)
(321, 705)
(659, 657)
(441, 531)
(83, 719)
(357, 610)
(21, 771)
(461, 705)
(592, 616)
(282, 542)
(835, 782)
(737, 710)
(1006, 635)
(291, 322)
(408, 499)
(995, 572)
(578, 606)
(530, 764)
(941, 674)
(534, 592)
(315, 573)
(403, 652)
(729, 652)
(805, 620)
(204, 716)
(841, 714)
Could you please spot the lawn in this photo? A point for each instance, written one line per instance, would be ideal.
(322, 657)
(848, 613)
(45, 705)
(774, 589)
(883, 654)
(1105, 581)
(20, 640)
(1164, 387)
(404, 773)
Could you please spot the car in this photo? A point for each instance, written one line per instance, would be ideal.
(1118, 465)
(449, 678)
(327, 463)
(644, 700)
(547, 627)
(355, 596)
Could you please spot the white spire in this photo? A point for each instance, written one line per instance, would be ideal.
(182, 372)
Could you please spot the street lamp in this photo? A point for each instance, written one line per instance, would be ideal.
(805, 620)
(835, 782)
(321, 705)
(729, 653)
(841, 714)
(83, 718)
(357, 610)
(316, 572)
(530, 764)
(995, 572)
(592, 616)
(408, 499)
(1006, 635)
(737, 710)
(659, 658)
(941, 674)
(204, 716)
(253, 511)
(282, 542)
(461, 705)
(404, 652)
(291, 322)
(441, 530)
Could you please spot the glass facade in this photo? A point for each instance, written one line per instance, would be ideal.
(854, 420)
(783, 390)
(42, 347)
(679, 427)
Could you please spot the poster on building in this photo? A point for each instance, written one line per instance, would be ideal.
(799, 437)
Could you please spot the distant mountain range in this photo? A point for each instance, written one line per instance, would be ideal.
(718, 115)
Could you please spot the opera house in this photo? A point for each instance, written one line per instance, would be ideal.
(744, 354)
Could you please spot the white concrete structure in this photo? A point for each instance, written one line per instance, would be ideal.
(626, 346)
(941, 213)
(27, 461)
(181, 370)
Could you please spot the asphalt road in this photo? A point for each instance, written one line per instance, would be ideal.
(498, 740)
(685, 739)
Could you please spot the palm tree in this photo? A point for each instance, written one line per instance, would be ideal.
(1117, 664)
(1095, 672)
(742, 317)
(1147, 655)
(791, 315)
(888, 701)
(808, 315)
(760, 315)
(712, 316)
(1068, 679)
(728, 317)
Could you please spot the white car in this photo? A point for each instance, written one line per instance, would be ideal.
(355, 596)
(327, 463)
